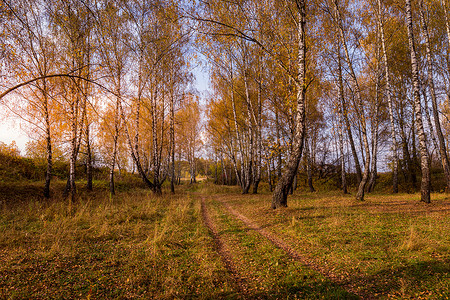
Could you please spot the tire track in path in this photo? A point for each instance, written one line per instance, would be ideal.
(281, 244)
(240, 283)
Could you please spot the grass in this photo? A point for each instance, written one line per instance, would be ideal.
(389, 246)
(133, 246)
(270, 272)
(136, 245)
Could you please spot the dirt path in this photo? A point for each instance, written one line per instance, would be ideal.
(281, 244)
(240, 283)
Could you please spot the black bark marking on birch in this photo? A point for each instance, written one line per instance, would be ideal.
(424, 157)
(442, 148)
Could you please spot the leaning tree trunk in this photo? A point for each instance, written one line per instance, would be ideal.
(48, 138)
(447, 27)
(308, 166)
(134, 149)
(424, 160)
(359, 106)
(285, 183)
(375, 126)
(428, 116)
(236, 170)
(352, 142)
(390, 102)
(341, 150)
(240, 177)
(408, 165)
(89, 168)
(373, 173)
(437, 123)
(347, 121)
(340, 131)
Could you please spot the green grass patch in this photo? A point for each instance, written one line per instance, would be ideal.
(269, 271)
(389, 245)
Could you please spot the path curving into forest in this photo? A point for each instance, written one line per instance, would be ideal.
(220, 247)
(295, 255)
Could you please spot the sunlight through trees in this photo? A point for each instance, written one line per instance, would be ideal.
(302, 92)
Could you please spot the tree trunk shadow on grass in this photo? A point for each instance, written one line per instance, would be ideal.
(409, 282)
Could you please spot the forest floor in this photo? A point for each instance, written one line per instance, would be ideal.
(210, 242)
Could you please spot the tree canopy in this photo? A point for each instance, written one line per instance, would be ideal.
(298, 88)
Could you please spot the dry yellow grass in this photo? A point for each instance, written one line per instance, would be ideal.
(135, 245)
(159, 247)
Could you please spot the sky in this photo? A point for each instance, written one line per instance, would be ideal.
(201, 79)
(10, 129)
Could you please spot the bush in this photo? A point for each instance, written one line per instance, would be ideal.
(14, 168)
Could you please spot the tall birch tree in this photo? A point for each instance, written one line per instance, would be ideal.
(425, 187)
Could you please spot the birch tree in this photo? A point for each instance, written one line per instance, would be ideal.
(69, 21)
(431, 86)
(424, 158)
(37, 55)
(359, 103)
(112, 33)
(280, 194)
(389, 96)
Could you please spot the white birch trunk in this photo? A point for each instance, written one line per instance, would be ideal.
(359, 107)
(285, 183)
(437, 123)
(424, 159)
(390, 101)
